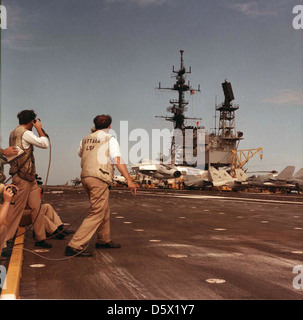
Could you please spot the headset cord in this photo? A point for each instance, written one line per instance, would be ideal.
(50, 259)
(32, 251)
(49, 161)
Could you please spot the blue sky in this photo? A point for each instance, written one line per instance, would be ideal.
(70, 60)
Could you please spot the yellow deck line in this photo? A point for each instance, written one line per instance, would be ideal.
(11, 286)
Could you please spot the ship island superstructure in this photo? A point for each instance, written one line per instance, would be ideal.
(219, 144)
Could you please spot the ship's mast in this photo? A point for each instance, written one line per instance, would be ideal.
(179, 106)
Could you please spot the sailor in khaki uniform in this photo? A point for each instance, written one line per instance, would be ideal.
(23, 173)
(99, 151)
(54, 226)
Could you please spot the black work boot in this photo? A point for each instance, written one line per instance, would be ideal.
(107, 245)
(70, 252)
(43, 244)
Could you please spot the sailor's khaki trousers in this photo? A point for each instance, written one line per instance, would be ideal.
(99, 217)
(28, 195)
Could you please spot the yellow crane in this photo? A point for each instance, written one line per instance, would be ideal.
(240, 157)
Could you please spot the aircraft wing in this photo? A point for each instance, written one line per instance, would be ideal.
(148, 167)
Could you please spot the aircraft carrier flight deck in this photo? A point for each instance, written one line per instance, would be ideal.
(175, 244)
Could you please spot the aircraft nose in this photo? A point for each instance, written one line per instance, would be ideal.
(177, 174)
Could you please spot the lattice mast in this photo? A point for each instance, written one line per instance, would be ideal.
(179, 106)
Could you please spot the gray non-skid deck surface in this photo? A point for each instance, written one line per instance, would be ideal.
(175, 245)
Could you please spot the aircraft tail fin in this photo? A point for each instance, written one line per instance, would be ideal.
(225, 176)
(286, 174)
(219, 177)
(241, 176)
(299, 175)
(214, 175)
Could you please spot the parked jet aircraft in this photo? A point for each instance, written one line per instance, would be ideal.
(273, 182)
(162, 171)
(190, 171)
(196, 182)
(284, 176)
(258, 180)
(222, 178)
(216, 178)
(157, 170)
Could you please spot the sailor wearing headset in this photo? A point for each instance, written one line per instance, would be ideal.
(23, 173)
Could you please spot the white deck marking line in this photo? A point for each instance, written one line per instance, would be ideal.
(224, 198)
